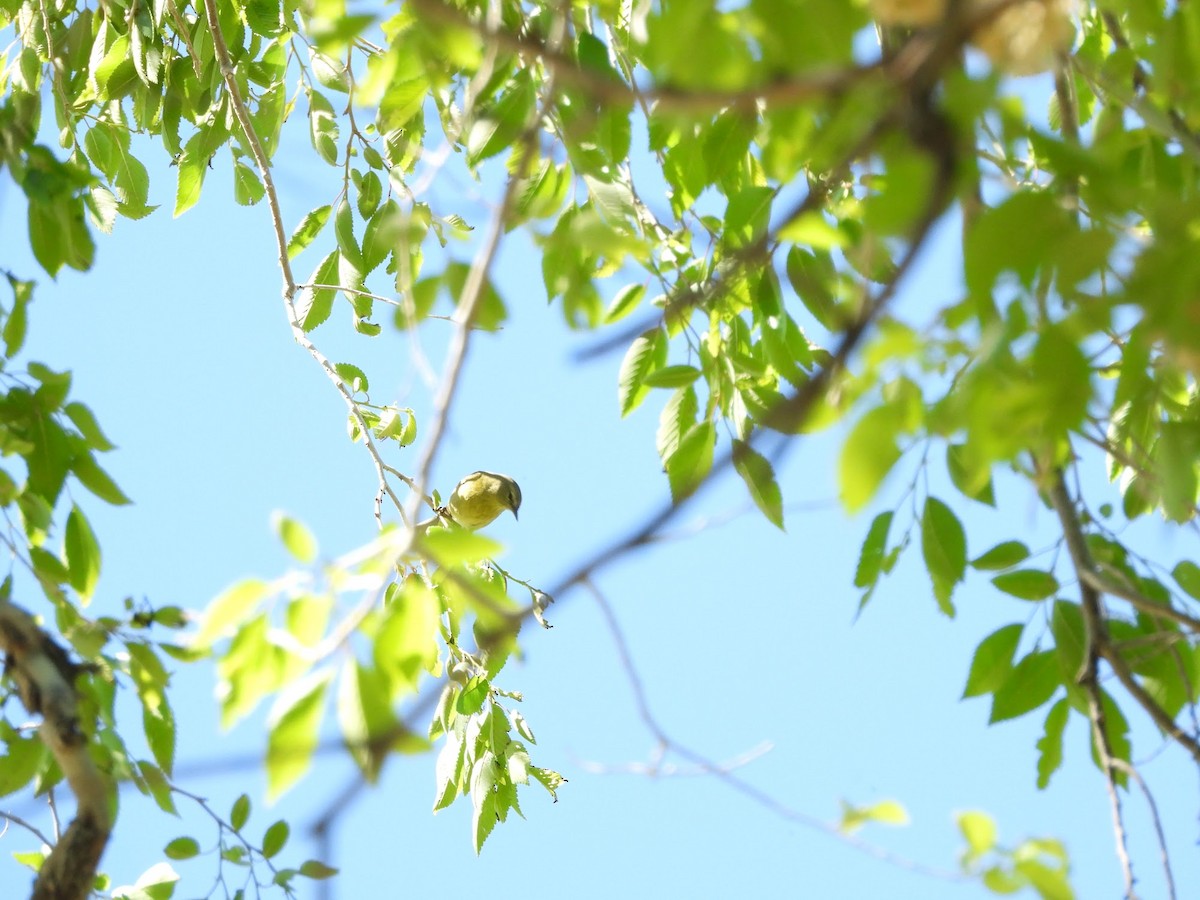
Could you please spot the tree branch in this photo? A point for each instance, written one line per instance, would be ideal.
(1087, 572)
(1095, 639)
(45, 679)
(1133, 773)
(263, 163)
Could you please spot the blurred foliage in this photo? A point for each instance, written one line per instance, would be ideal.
(733, 196)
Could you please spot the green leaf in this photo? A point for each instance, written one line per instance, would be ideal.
(293, 728)
(330, 73)
(275, 838)
(323, 127)
(979, 831)
(239, 813)
(1187, 574)
(316, 870)
(1066, 624)
(473, 696)
(370, 193)
(1004, 555)
(133, 185)
(353, 376)
(96, 480)
(47, 568)
(1063, 375)
(308, 229)
(15, 326)
(383, 234)
(759, 478)
(1018, 235)
(496, 128)
(451, 546)
(59, 235)
(1031, 683)
(53, 390)
(111, 70)
(1117, 727)
(813, 276)
(230, 609)
(747, 215)
(247, 189)
(85, 421)
(343, 228)
(671, 377)
(406, 645)
(484, 792)
(51, 454)
(157, 786)
(1027, 584)
(899, 193)
(1050, 744)
(364, 713)
(727, 142)
(274, 105)
(317, 302)
(542, 193)
(82, 554)
(158, 720)
(973, 482)
(448, 771)
(888, 812)
(1176, 454)
(647, 353)
(182, 848)
(692, 460)
(491, 312)
(868, 455)
(992, 662)
(675, 420)
(192, 165)
(693, 45)
(944, 548)
(298, 540)
(870, 557)
(1050, 882)
(23, 757)
(625, 302)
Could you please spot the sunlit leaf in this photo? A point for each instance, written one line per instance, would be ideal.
(944, 548)
(992, 662)
(759, 478)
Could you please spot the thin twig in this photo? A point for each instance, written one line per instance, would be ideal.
(726, 775)
(1095, 640)
(1132, 772)
(1098, 580)
(471, 298)
(263, 163)
(28, 826)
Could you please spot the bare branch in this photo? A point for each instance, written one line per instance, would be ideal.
(263, 163)
(725, 773)
(1133, 773)
(1095, 642)
(472, 294)
(28, 826)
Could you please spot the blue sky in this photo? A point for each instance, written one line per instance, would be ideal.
(742, 635)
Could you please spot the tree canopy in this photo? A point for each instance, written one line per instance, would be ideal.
(733, 196)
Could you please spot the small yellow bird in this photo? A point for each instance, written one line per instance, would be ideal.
(479, 498)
